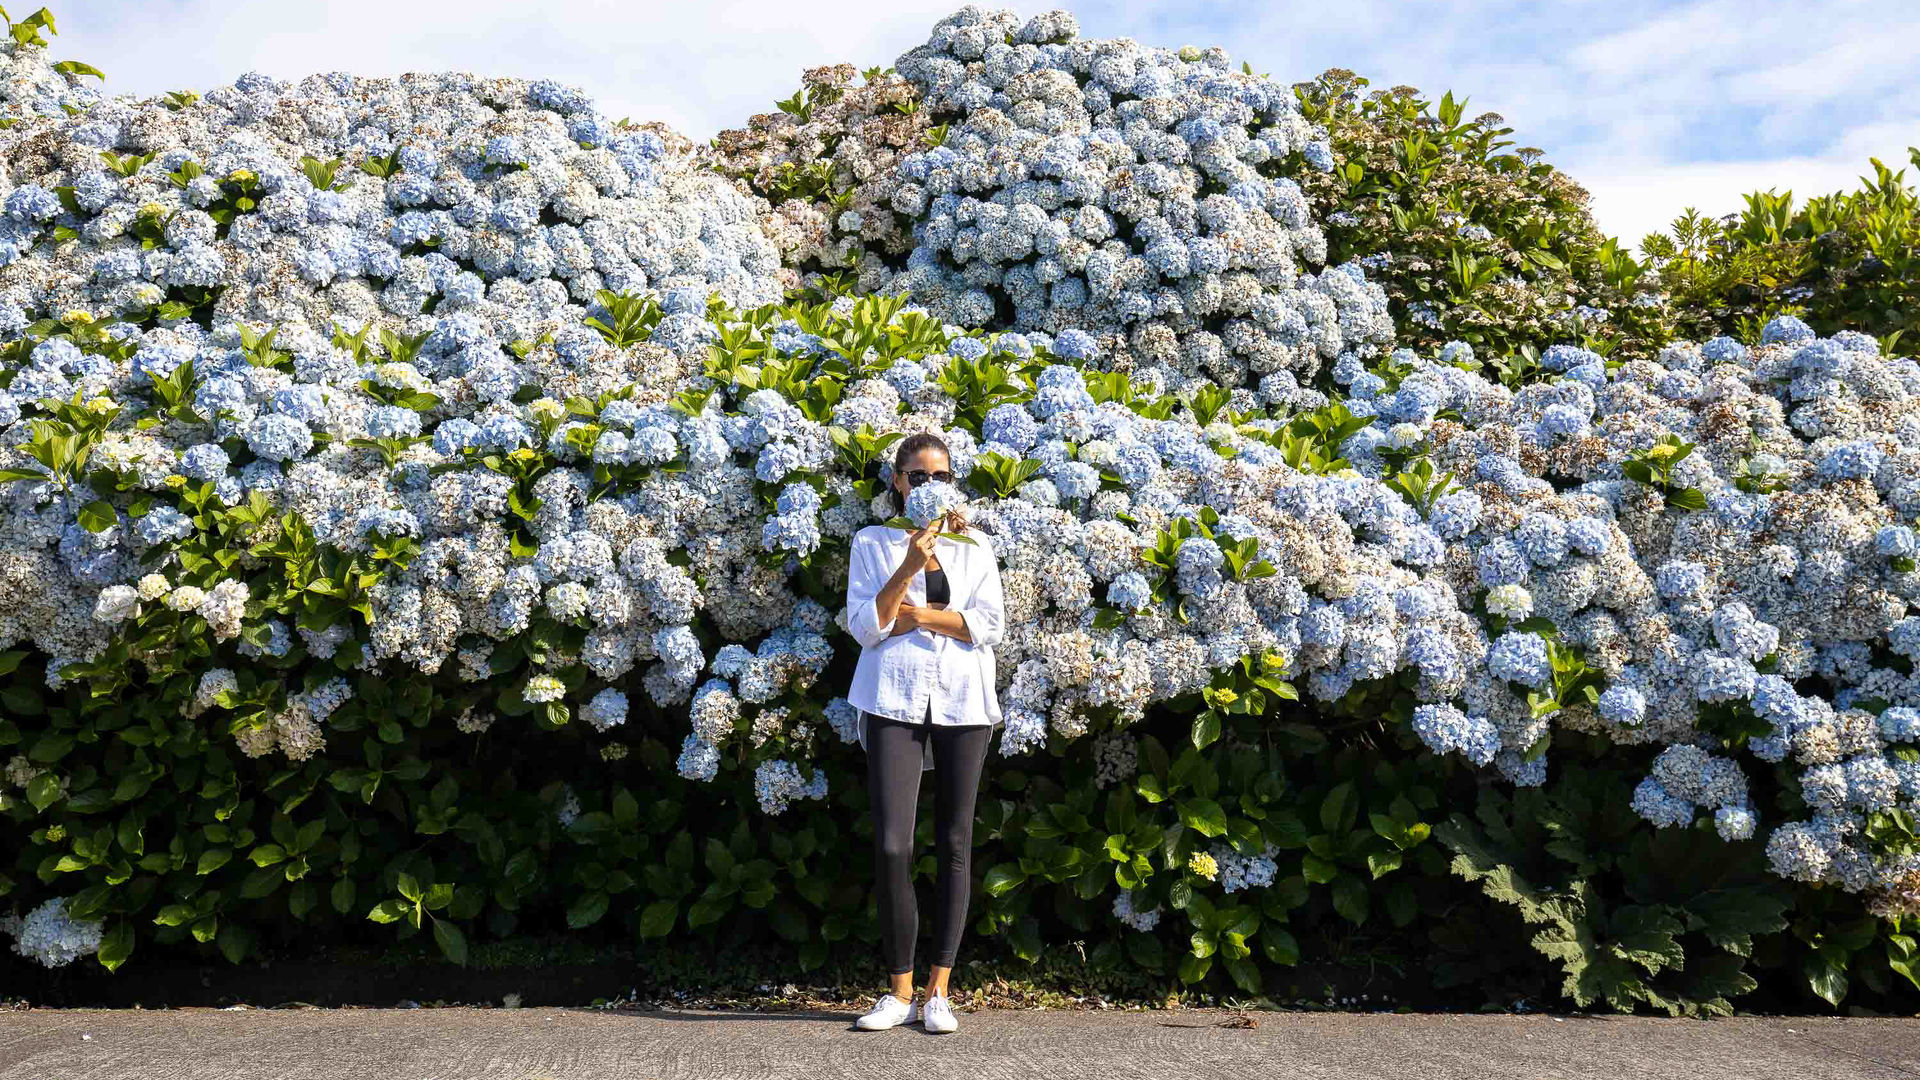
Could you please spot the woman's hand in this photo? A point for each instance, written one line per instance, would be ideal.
(907, 620)
(920, 547)
(891, 606)
(933, 619)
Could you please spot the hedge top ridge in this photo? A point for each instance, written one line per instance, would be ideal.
(521, 201)
(31, 83)
(1016, 174)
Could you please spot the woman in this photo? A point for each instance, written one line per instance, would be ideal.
(927, 612)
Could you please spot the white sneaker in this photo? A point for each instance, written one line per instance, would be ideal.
(888, 1012)
(938, 1015)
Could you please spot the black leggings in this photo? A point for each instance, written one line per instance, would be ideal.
(894, 763)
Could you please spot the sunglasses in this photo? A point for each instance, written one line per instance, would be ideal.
(916, 477)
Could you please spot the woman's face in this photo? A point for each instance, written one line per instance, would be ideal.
(930, 458)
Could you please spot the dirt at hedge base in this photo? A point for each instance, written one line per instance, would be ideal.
(663, 978)
(561, 972)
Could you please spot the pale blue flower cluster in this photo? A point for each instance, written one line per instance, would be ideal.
(1130, 916)
(1237, 871)
(776, 783)
(47, 936)
(1132, 202)
(1446, 729)
(932, 501)
(1686, 778)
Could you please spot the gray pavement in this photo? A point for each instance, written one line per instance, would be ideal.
(565, 1044)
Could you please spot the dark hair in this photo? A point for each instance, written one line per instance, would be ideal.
(909, 446)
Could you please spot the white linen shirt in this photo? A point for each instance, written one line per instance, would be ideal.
(922, 676)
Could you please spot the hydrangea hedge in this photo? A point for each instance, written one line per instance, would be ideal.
(427, 502)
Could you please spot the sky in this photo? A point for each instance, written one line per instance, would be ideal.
(1653, 105)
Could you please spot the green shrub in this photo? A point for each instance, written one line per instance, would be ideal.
(1844, 261)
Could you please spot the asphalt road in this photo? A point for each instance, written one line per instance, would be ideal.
(566, 1044)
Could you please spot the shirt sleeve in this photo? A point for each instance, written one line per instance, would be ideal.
(865, 579)
(985, 611)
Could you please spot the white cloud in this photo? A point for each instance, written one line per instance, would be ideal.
(1690, 36)
(696, 65)
(1867, 57)
(1631, 202)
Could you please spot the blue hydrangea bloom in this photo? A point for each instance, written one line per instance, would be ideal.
(1520, 657)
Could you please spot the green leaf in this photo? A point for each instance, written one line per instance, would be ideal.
(115, 945)
(587, 910)
(658, 918)
(720, 861)
(1194, 968)
(173, 915)
(1335, 808)
(1826, 978)
(1280, 946)
(131, 835)
(1203, 816)
(1904, 958)
(302, 899)
(1734, 916)
(1149, 787)
(1350, 898)
(1383, 863)
(1206, 729)
(389, 911)
(98, 516)
(1403, 903)
(1003, 878)
(626, 809)
(261, 882)
(708, 909)
(1317, 870)
(234, 941)
(1146, 951)
(1245, 975)
(44, 790)
(1687, 499)
(453, 943)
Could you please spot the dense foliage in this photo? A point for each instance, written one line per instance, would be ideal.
(1849, 260)
(1474, 239)
(427, 503)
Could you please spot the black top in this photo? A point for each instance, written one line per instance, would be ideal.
(938, 592)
